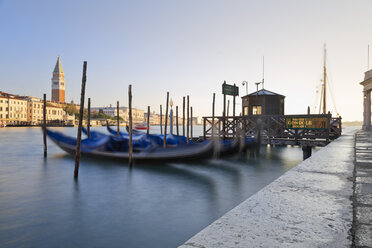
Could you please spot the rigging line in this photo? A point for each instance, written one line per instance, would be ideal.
(321, 99)
(316, 99)
(332, 95)
(330, 86)
(318, 87)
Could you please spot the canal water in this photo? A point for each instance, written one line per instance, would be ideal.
(152, 205)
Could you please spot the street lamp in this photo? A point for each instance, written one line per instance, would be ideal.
(257, 86)
(246, 84)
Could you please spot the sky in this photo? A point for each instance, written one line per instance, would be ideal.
(187, 47)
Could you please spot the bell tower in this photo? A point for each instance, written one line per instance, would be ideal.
(58, 83)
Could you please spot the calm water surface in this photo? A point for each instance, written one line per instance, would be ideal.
(41, 205)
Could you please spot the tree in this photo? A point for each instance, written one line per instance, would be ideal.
(71, 109)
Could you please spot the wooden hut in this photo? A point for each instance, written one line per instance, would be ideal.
(263, 102)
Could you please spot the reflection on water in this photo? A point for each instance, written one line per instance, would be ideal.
(159, 205)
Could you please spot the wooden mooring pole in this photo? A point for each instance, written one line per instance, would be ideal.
(234, 102)
(44, 127)
(117, 120)
(258, 136)
(213, 103)
(224, 114)
(228, 107)
(183, 117)
(306, 151)
(191, 123)
(88, 124)
(166, 122)
(130, 126)
(148, 119)
(81, 113)
(188, 120)
(161, 120)
(234, 121)
(177, 121)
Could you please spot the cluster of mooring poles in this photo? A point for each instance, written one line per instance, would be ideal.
(186, 115)
(130, 124)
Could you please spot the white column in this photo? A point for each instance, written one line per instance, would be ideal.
(367, 110)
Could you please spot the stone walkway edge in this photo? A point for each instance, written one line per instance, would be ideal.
(362, 225)
(308, 206)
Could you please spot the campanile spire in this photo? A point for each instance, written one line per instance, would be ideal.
(58, 83)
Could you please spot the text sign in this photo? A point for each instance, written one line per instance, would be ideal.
(306, 123)
(231, 90)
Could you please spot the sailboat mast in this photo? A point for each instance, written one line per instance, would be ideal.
(325, 82)
(263, 72)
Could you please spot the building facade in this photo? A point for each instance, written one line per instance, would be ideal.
(138, 115)
(13, 109)
(54, 111)
(58, 83)
(367, 88)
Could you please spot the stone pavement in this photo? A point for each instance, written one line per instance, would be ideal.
(362, 224)
(309, 206)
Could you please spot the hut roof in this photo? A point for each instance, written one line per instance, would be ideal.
(264, 92)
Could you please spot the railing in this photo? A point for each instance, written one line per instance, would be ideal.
(271, 128)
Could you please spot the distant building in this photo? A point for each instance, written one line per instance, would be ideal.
(137, 114)
(13, 109)
(54, 111)
(58, 83)
(263, 102)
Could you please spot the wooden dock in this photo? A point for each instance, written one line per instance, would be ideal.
(305, 130)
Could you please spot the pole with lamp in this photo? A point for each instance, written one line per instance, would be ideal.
(258, 83)
(246, 84)
(171, 116)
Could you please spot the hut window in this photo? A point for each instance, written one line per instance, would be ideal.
(246, 111)
(256, 110)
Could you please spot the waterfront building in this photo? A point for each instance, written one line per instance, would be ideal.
(54, 111)
(199, 120)
(138, 115)
(367, 88)
(69, 119)
(58, 83)
(155, 119)
(13, 109)
(263, 102)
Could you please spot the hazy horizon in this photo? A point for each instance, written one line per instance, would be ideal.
(187, 48)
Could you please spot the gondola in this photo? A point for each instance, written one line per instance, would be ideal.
(109, 147)
(172, 140)
(228, 147)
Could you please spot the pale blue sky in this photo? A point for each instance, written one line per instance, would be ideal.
(186, 47)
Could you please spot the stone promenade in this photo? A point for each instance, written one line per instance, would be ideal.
(309, 206)
(362, 226)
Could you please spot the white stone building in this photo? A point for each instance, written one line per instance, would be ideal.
(13, 109)
(138, 115)
(54, 111)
